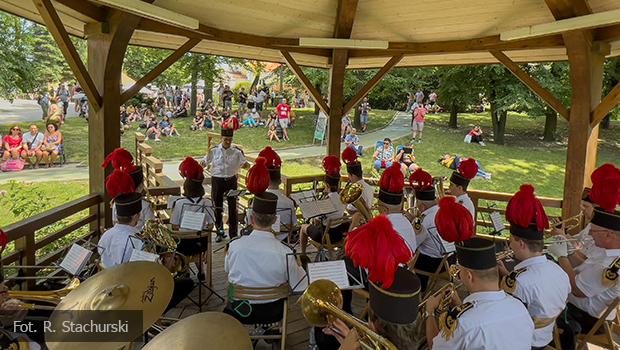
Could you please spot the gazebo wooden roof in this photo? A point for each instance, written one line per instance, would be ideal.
(368, 33)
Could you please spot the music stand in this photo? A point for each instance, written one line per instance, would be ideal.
(200, 208)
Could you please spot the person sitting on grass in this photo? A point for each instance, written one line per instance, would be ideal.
(345, 126)
(198, 123)
(180, 112)
(31, 144)
(132, 114)
(167, 128)
(453, 161)
(12, 144)
(271, 121)
(249, 121)
(383, 156)
(353, 141)
(475, 136)
(208, 121)
(152, 129)
(406, 157)
(52, 142)
(272, 133)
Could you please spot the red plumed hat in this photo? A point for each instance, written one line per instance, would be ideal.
(421, 180)
(272, 158)
(453, 221)
(120, 158)
(524, 209)
(257, 180)
(605, 192)
(4, 240)
(349, 156)
(331, 166)
(231, 123)
(392, 180)
(468, 168)
(378, 248)
(191, 169)
(119, 182)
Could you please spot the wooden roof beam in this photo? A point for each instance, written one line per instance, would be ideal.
(155, 72)
(314, 92)
(371, 83)
(86, 8)
(532, 84)
(345, 16)
(58, 31)
(605, 106)
(562, 9)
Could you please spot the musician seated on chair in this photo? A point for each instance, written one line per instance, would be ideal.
(120, 158)
(286, 206)
(431, 247)
(260, 260)
(538, 282)
(459, 181)
(390, 203)
(315, 231)
(354, 170)
(488, 318)
(595, 283)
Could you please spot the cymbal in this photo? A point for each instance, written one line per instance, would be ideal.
(207, 330)
(140, 285)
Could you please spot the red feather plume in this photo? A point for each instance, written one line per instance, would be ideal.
(605, 191)
(349, 155)
(191, 169)
(392, 180)
(468, 168)
(421, 180)
(257, 180)
(331, 165)
(378, 248)
(120, 158)
(524, 209)
(231, 123)
(119, 182)
(4, 240)
(273, 159)
(453, 221)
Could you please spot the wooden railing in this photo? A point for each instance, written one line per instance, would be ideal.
(29, 246)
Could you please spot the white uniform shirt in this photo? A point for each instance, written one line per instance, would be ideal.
(145, 214)
(285, 208)
(368, 196)
(496, 321)
(116, 244)
(544, 288)
(589, 280)
(224, 162)
(179, 205)
(465, 201)
(334, 197)
(429, 241)
(404, 229)
(259, 260)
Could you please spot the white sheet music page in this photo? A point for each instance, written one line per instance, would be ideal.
(141, 255)
(76, 259)
(334, 271)
(192, 220)
(316, 208)
(496, 219)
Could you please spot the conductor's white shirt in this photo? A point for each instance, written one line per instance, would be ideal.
(224, 162)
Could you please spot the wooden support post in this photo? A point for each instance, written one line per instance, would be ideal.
(607, 104)
(155, 72)
(532, 84)
(372, 83)
(336, 100)
(586, 72)
(303, 79)
(106, 50)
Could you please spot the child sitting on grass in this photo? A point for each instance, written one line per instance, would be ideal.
(272, 133)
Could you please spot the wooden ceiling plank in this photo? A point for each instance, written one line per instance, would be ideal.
(155, 72)
(58, 31)
(371, 83)
(314, 92)
(345, 17)
(532, 84)
(608, 103)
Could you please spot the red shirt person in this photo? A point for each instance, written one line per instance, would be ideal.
(284, 113)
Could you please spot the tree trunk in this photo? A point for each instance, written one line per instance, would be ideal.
(208, 90)
(356, 118)
(498, 118)
(605, 122)
(255, 81)
(453, 115)
(551, 123)
(193, 95)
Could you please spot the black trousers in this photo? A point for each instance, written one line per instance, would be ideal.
(574, 321)
(219, 186)
(267, 313)
(430, 265)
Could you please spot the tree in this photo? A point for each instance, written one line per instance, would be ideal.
(611, 78)
(459, 87)
(140, 60)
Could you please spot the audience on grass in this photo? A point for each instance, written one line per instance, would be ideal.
(199, 122)
(345, 126)
(353, 141)
(167, 128)
(405, 155)
(52, 143)
(475, 136)
(152, 129)
(384, 155)
(12, 144)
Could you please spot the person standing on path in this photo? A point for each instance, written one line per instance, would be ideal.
(225, 161)
(63, 95)
(44, 102)
(364, 109)
(419, 97)
(418, 123)
(284, 114)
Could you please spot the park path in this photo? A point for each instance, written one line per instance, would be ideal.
(397, 128)
(22, 111)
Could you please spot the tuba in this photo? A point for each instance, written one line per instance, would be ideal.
(323, 300)
(352, 194)
(158, 239)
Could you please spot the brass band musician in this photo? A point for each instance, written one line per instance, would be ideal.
(390, 203)
(459, 181)
(354, 169)
(286, 206)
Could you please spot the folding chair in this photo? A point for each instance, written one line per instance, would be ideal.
(237, 292)
(326, 246)
(606, 339)
(433, 277)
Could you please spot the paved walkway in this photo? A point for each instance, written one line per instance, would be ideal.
(21, 111)
(397, 128)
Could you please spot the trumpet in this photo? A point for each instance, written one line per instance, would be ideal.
(438, 183)
(352, 194)
(446, 291)
(569, 223)
(322, 302)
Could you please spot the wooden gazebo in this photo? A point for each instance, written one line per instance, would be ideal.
(339, 35)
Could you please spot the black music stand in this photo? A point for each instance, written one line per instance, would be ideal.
(201, 208)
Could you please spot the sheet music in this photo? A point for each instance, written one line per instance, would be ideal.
(76, 259)
(192, 220)
(496, 219)
(334, 271)
(303, 196)
(141, 255)
(316, 208)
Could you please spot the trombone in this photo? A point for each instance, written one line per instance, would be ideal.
(322, 302)
(446, 291)
(51, 296)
